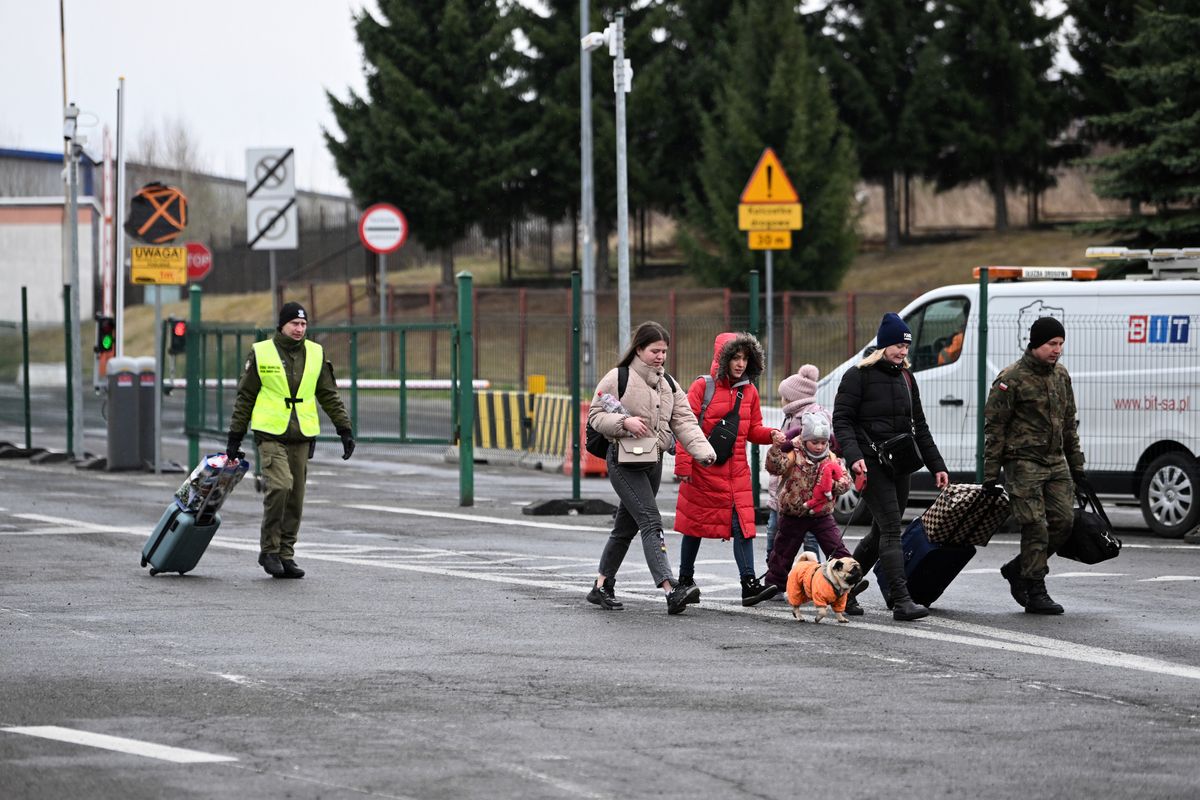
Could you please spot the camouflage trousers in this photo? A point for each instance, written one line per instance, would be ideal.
(1043, 502)
(285, 471)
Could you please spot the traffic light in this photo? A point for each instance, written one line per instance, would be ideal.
(106, 334)
(178, 336)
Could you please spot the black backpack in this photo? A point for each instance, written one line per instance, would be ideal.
(595, 442)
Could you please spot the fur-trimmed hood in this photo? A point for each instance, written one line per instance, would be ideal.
(724, 347)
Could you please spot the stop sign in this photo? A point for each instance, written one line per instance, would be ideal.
(199, 261)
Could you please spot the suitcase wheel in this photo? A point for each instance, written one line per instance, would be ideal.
(144, 562)
(184, 571)
(154, 571)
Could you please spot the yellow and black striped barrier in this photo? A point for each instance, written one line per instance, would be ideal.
(551, 425)
(502, 420)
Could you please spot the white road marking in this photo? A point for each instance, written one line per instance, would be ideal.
(981, 571)
(1170, 578)
(366, 487)
(522, 523)
(996, 638)
(177, 755)
(1086, 575)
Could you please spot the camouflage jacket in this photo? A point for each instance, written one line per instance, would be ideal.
(1030, 416)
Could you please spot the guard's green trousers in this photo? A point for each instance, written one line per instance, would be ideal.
(1043, 502)
(284, 472)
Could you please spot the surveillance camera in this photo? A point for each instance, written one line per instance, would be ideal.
(593, 41)
(70, 116)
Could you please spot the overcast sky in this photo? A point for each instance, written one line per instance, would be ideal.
(239, 74)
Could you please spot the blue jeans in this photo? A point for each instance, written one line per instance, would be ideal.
(743, 551)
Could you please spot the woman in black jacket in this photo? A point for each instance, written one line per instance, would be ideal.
(876, 400)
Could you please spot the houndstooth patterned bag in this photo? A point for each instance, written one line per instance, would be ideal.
(964, 514)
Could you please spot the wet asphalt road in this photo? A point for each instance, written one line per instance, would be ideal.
(435, 651)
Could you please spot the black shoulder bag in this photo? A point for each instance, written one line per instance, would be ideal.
(724, 434)
(1092, 539)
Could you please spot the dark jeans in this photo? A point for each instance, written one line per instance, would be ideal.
(793, 533)
(637, 489)
(886, 498)
(743, 551)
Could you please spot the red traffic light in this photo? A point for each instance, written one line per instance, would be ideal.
(178, 342)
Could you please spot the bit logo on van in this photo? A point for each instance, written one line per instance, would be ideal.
(1159, 329)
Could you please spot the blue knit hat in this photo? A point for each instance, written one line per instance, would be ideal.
(892, 330)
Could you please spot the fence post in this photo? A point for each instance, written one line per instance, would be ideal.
(466, 391)
(672, 319)
(727, 296)
(349, 302)
(787, 339)
(195, 378)
(753, 320)
(433, 304)
(851, 324)
(522, 336)
(25, 365)
(981, 378)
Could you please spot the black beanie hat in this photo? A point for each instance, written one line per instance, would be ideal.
(1043, 330)
(892, 330)
(289, 312)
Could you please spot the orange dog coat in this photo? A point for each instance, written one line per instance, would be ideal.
(807, 582)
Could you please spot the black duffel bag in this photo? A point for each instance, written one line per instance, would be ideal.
(1092, 539)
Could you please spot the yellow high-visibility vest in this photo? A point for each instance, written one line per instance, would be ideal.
(273, 407)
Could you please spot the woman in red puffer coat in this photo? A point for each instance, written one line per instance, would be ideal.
(716, 502)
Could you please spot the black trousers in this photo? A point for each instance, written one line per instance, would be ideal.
(886, 497)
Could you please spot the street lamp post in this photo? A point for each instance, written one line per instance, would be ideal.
(614, 37)
(75, 144)
(586, 201)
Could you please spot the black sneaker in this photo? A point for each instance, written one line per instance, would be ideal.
(754, 592)
(271, 563)
(291, 569)
(605, 596)
(687, 580)
(680, 597)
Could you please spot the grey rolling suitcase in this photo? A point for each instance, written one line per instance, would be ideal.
(191, 520)
(178, 541)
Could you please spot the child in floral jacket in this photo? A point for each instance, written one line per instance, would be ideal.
(811, 478)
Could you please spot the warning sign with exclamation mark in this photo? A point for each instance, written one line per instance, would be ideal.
(769, 202)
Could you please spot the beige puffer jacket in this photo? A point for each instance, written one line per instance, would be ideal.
(648, 395)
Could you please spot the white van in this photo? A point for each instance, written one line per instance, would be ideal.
(1133, 351)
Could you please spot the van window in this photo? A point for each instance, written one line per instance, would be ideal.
(938, 329)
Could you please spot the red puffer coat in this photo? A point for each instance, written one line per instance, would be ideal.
(706, 502)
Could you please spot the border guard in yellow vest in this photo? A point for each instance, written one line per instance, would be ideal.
(285, 378)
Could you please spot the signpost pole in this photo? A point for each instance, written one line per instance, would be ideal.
(619, 78)
(382, 258)
(586, 203)
(768, 338)
(158, 373)
(75, 445)
(274, 287)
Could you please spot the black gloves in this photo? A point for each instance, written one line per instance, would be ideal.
(1080, 478)
(993, 488)
(347, 443)
(233, 448)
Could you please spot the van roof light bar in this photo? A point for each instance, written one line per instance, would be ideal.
(1039, 273)
(1164, 262)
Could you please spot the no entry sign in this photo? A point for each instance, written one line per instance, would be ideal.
(382, 228)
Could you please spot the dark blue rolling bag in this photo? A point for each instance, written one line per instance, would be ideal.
(178, 541)
(929, 567)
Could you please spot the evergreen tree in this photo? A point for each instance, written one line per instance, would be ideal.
(993, 110)
(1163, 167)
(437, 132)
(871, 50)
(772, 95)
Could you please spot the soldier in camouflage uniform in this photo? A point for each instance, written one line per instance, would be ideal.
(1030, 430)
(286, 378)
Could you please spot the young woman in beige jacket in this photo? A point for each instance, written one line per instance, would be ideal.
(652, 405)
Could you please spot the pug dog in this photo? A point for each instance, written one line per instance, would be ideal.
(826, 585)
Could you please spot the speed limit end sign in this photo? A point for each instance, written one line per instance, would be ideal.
(382, 228)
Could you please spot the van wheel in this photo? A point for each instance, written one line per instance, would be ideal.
(1169, 499)
(844, 507)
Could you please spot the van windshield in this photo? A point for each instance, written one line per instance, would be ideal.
(938, 329)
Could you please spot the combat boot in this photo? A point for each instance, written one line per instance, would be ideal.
(271, 564)
(905, 610)
(605, 596)
(291, 569)
(1038, 600)
(1012, 573)
(753, 592)
(853, 609)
